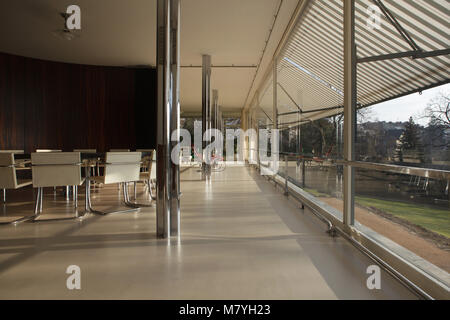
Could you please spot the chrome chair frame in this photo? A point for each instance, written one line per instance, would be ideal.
(147, 182)
(126, 201)
(12, 166)
(40, 199)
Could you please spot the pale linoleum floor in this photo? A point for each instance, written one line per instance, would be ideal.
(241, 239)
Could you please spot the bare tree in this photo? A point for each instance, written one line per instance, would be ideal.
(438, 110)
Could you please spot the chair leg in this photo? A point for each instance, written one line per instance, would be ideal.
(41, 199)
(38, 208)
(91, 210)
(75, 195)
(33, 217)
(135, 190)
(128, 203)
(4, 195)
(38, 201)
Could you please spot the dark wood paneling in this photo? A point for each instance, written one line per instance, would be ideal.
(12, 102)
(145, 110)
(52, 105)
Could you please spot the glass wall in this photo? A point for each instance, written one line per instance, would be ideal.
(401, 147)
(411, 209)
(313, 149)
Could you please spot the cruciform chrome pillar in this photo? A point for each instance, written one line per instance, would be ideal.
(275, 108)
(163, 186)
(275, 95)
(175, 118)
(350, 96)
(206, 111)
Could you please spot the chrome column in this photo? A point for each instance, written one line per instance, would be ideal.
(275, 110)
(255, 125)
(215, 107)
(275, 95)
(163, 116)
(221, 121)
(206, 111)
(215, 112)
(175, 117)
(350, 96)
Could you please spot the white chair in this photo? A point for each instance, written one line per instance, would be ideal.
(119, 150)
(120, 168)
(56, 169)
(145, 176)
(90, 161)
(8, 179)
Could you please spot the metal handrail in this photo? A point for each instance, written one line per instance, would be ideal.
(414, 171)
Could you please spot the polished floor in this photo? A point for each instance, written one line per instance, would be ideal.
(241, 239)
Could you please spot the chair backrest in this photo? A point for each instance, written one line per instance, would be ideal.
(47, 150)
(8, 178)
(13, 151)
(147, 155)
(144, 151)
(152, 162)
(122, 167)
(56, 169)
(85, 150)
(119, 150)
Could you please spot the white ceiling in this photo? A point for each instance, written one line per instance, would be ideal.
(123, 33)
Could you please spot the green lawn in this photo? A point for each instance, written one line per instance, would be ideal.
(436, 220)
(316, 193)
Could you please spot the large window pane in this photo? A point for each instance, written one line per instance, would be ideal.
(313, 152)
(411, 210)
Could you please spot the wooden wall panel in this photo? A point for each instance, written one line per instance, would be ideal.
(12, 102)
(51, 105)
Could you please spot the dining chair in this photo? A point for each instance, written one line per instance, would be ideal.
(8, 178)
(47, 150)
(120, 168)
(147, 157)
(145, 176)
(119, 150)
(94, 169)
(56, 169)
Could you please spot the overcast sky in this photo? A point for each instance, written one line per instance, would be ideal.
(401, 109)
